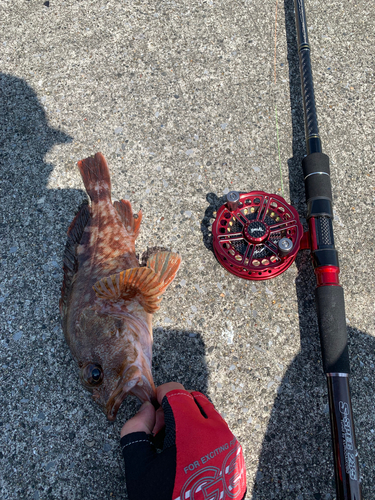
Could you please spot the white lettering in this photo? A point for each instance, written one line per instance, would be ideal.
(216, 452)
(192, 466)
(344, 408)
(347, 436)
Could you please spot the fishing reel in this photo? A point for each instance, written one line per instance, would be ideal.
(256, 235)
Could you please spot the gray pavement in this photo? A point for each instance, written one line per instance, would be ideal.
(181, 99)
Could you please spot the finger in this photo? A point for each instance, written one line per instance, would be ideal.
(182, 402)
(159, 421)
(143, 421)
(205, 404)
(162, 390)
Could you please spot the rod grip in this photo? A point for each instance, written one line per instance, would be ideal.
(332, 327)
(317, 176)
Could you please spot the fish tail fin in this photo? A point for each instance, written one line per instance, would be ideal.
(95, 176)
(124, 209)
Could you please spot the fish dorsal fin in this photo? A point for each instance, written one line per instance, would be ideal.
(70, 265)
(125, 212)
(165, 265)
(146, 284)
(139, 282)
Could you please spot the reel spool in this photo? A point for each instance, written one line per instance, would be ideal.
(256, 235)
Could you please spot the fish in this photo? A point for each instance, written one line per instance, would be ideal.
(107, 297)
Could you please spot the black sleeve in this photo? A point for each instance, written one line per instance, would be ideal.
(149, 475)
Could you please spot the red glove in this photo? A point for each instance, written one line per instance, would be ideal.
(200, 460)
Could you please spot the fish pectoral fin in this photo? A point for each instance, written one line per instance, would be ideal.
(146, 284)
(124, 209)
(165, 265)
(141, 283)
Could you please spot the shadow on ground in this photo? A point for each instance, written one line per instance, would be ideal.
(180, 356)
(55, 442)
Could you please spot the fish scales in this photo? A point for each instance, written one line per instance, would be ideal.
(107, 298)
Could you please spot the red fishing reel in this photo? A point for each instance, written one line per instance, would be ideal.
(256, 235)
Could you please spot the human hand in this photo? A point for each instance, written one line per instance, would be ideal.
(148, 419)
(200, 455)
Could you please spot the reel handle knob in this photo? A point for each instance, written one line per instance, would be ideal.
(233, 199)
(285, 246)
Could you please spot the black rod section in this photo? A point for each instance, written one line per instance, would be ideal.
(346, 456)
(313, 143)
(329, 294)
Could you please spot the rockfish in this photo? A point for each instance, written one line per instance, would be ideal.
(107, 299)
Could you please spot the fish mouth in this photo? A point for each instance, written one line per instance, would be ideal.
(132, 382)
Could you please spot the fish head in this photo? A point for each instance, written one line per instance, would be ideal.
(114, 357)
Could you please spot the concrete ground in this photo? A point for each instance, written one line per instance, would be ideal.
(181, 97)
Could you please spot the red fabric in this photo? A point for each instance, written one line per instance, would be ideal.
(210, 463)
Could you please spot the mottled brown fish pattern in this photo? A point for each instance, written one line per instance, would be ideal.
(107, 299)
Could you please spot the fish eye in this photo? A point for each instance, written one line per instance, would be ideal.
(92, 374)
(95, 374)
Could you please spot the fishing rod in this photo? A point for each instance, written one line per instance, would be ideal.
(257, 236)
(329, 295)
